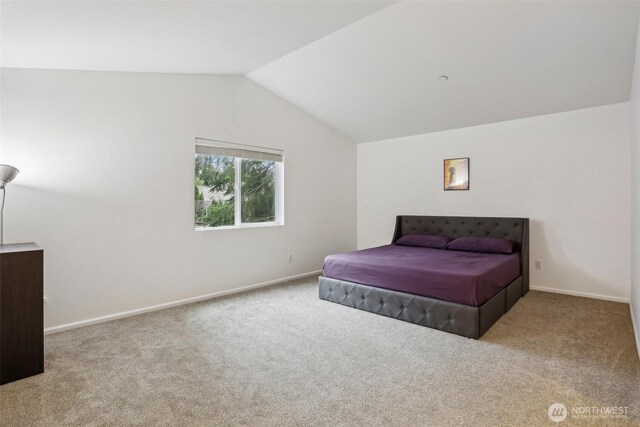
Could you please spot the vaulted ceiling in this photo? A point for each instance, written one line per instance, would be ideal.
(218, 37)
(370, 69)
(379, 78)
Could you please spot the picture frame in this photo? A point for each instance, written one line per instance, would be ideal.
(456, 174)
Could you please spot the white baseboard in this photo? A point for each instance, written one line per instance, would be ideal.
(579, 294)
(101, 319)
(636, 330)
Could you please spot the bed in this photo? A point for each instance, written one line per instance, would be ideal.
(454, 291)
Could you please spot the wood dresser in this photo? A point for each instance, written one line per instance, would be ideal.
(21, 311)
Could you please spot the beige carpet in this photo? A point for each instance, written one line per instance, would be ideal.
(280, 356)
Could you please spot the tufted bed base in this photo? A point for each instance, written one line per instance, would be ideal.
(466, 320)
(459, 319)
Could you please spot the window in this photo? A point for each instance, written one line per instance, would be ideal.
(237, 185)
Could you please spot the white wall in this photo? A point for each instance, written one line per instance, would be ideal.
(635, 197)
(106, 186)
(568, 172)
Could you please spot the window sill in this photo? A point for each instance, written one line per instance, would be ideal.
(238, 227)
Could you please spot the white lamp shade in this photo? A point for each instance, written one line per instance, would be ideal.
(7, 174)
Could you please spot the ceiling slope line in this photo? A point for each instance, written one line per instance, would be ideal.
(389, 4)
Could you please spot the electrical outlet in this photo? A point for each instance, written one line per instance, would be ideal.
(538, 264)
(290, 257)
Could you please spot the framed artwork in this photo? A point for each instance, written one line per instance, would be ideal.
(456, 174)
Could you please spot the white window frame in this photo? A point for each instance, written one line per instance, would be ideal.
(237, 188)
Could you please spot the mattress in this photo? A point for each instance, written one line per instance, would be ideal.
(469, 278)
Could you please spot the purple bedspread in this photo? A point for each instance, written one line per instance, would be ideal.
(468, 278)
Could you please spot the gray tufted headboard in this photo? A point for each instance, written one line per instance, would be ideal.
(514, 229)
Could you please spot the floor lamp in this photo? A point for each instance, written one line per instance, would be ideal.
(7, 174)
